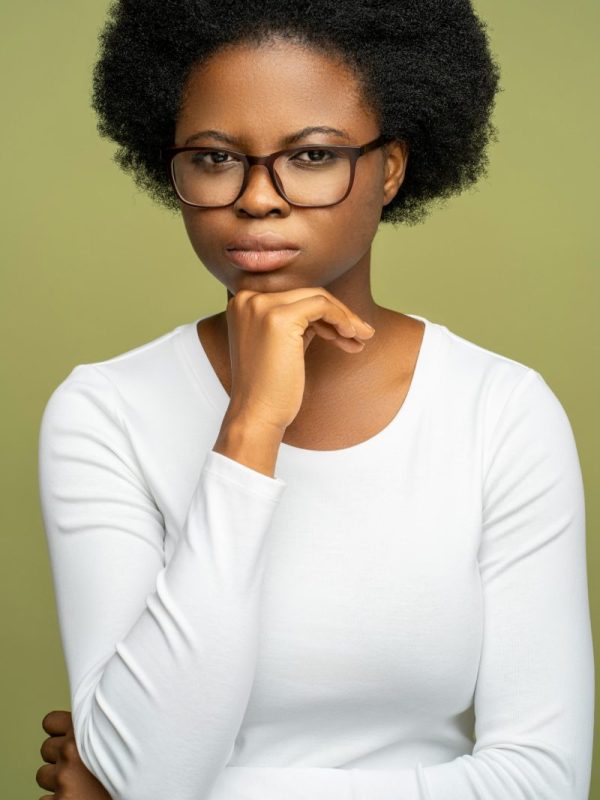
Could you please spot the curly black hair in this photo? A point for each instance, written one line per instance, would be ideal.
(424, 68)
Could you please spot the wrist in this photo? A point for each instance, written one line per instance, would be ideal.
(250, 440)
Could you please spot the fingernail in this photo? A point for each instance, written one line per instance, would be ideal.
(368, 326)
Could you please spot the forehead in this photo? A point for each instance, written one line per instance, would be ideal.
(262, 91)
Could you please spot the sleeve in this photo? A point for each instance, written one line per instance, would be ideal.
(534, 696)
(160, 658)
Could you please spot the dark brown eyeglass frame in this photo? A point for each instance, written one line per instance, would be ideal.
(353, 153)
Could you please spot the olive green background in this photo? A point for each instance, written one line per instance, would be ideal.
(91, 268)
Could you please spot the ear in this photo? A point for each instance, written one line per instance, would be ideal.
(396, 158)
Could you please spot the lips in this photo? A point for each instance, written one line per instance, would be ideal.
(261, 260)
(268, 240)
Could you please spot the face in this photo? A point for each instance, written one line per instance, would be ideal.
(259, 95)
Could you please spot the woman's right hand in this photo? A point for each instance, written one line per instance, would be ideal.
(269, 333)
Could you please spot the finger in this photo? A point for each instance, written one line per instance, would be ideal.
(362, 326)
(45, 777)
(325, 331)
(68, 750)
(50, 749)
(350, 345)
(57, 723)
(318, 308)
(293, 295)
(348, 319)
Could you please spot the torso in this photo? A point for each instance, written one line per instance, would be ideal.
(337, 419)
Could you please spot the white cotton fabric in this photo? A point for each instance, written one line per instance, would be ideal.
(404, 619)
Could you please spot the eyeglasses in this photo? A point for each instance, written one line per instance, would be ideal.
(206, 177)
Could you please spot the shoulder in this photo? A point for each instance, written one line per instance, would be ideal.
(483, 365)
(482, 386)
(122, 380)
(478, 375)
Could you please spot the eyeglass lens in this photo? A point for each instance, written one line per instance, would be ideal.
(214, 178)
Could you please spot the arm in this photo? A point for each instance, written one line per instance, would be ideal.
(534, 698)
(160, 658)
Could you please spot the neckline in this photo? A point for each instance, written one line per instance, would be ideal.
(207, 379)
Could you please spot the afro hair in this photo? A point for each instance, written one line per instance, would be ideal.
(424, 67)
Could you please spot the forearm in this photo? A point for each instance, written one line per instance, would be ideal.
(254, 444)
(182, 675)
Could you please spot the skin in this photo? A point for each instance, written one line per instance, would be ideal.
(259, 96)
(225, 93)
(64, 773)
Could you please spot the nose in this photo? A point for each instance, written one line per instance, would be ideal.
(260, 195)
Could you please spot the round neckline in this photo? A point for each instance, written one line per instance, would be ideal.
(215, 393)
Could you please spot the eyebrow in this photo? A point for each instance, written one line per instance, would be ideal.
(286, 140)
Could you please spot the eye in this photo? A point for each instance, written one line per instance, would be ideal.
(199, 157)
(323, 156)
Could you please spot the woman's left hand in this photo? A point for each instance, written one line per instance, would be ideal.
(65, 774)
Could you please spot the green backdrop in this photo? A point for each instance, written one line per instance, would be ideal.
(90, 268)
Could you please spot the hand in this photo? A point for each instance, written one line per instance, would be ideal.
(65, 773)
(269, 333)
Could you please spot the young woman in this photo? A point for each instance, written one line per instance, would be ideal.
(295, 557)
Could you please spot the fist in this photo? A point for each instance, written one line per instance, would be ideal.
(65, 774)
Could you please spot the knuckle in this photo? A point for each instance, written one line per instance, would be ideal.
(233, 303)
(62, 777)
(320, 299)
(241, 296)
(256, 300)
(68, 750)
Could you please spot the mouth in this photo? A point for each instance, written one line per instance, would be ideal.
(261, 260)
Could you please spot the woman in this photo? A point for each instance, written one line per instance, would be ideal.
(296, 557)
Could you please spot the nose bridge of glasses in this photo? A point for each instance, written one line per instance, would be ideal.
(267, 163)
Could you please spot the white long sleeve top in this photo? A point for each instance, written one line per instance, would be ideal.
(403, 619)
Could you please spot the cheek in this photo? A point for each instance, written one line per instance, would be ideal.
(362, 213)
(341, 239)
(192, 227)
(200, 228)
